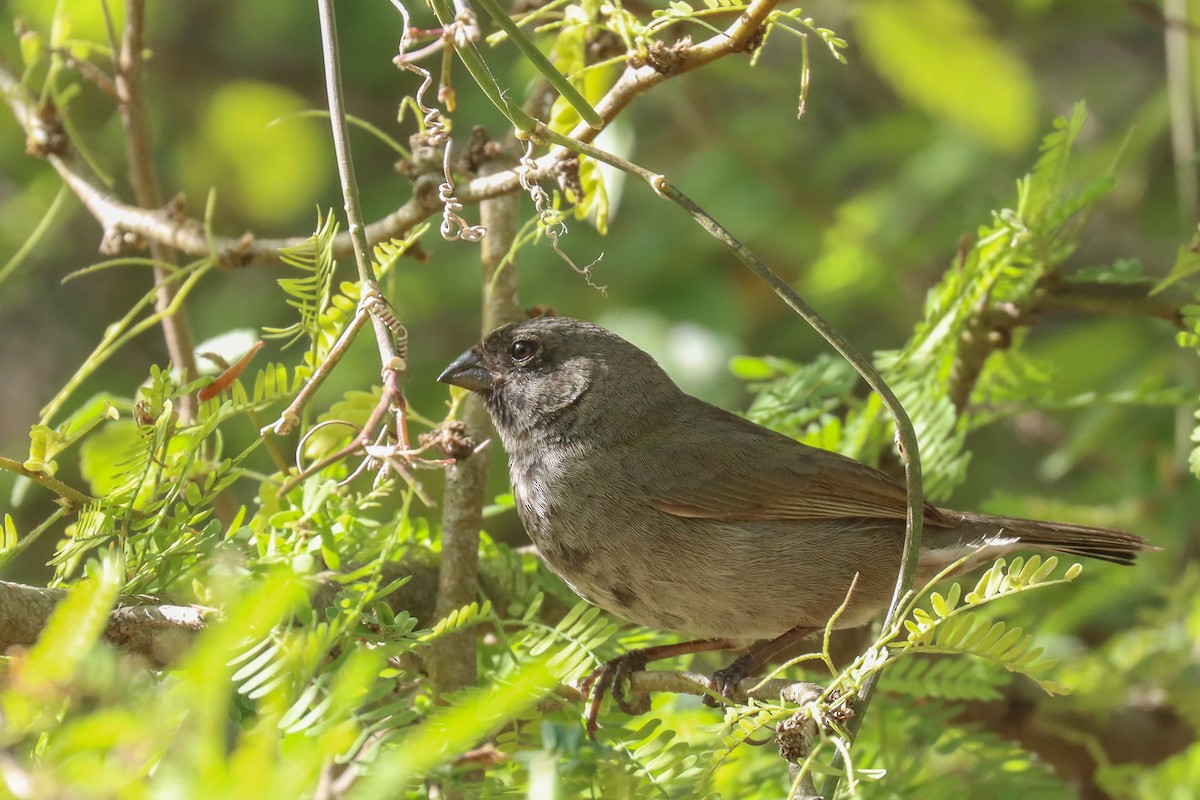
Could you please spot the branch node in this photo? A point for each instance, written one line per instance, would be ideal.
(752, 42)
(116, 239)
(663, 59)
(46, 135)
(794, 736)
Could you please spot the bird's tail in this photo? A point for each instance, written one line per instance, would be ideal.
(1106, 544)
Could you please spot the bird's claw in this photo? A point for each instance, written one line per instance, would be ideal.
(610, 678)
(726, 681)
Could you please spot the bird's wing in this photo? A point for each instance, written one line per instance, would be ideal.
(736, 470)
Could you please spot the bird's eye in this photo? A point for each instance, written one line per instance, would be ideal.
(523, 349)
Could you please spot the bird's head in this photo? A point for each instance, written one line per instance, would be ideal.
(561, 378)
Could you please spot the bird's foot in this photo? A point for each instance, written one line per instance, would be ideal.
(610, 678)
(725, 681)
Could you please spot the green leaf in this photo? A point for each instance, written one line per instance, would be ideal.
(31, 47)
(103, 456)
(452, 731)
(752, 368)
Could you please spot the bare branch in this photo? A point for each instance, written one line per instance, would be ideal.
(452, 661)
(131, 90)
(169, 227)
(160, 633)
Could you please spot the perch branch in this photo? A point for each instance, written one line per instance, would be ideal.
(695, 683)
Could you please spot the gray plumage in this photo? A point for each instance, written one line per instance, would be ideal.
(678, 515)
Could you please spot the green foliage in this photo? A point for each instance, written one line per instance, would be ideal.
(943, 647)
(947, 678)
(950, 628)
(929, 753)
(994, 282)
(310, 294)
(156, 499)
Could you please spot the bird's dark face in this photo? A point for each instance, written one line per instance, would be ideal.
(552, 376)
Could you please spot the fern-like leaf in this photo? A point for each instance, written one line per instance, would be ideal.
(309, 294)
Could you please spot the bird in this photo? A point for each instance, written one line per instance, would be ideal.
(678, 515)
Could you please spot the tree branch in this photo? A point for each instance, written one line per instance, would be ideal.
(992, 326)
(1127, 299)
(703, 685)
(452, 660)
(160, 633)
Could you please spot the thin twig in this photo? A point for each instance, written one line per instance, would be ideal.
(290, 416)
(341, 144)
(131, 89)
(71, 497)
(390, 336)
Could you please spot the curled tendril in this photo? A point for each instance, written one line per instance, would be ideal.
(549, 217)
(379, 307)
(453, 225)
(437, 131)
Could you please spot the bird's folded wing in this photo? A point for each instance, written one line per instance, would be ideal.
(749, 473)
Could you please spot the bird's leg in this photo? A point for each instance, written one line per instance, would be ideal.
(611, 675)
(726, 680)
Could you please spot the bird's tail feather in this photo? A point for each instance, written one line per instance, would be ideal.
(1106, 544)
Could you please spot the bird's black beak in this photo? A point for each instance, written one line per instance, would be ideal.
(468, 372)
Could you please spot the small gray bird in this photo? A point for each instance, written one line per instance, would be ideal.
(675, 514)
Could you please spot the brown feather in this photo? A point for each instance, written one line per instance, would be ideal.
(762, 475)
